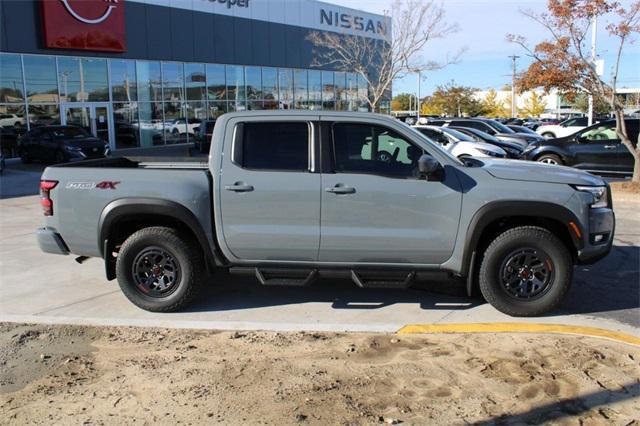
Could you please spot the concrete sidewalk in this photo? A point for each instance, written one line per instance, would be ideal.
(42, 288)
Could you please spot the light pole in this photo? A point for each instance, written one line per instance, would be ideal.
(594, 31)
(418, 100)
(514, 107)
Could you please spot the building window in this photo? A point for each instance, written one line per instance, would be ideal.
(270, 87)
(285, 85)
(352, 91)
(123, 80)
(216, 83)
(149, 81)
(43, 115)
(126, 126)
(172, 82)
(41, 80)
(363, 94)
(301, 89)
(315, 89)
(235, 87)
(341, 91)
(83, 79)
(215, 109)
(151, 124)
(11, 87)
(328, 90)
(195, 81)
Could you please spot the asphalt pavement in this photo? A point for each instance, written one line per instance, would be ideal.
(44, 288)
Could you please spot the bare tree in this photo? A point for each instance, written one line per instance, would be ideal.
(414, 23)
(564, 62)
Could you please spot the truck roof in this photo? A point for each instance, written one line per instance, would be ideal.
(290, 113)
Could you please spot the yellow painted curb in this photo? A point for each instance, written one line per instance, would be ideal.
(511, 327)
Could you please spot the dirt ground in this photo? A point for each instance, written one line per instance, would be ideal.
(107, 375)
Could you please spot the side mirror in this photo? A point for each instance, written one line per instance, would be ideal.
(427, 166)
(581, 139)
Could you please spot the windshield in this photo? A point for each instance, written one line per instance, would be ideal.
(501, 128)
(458, 135)
(433, 144)
(69, 132)
(522, 129)
(484, 136)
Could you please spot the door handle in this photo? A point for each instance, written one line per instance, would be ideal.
(339, 189)
(239, 187)
(609, 146)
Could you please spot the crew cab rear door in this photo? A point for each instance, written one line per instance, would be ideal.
(375, 209)
(268, 191)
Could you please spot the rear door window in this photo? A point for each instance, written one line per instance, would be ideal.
(273, 146)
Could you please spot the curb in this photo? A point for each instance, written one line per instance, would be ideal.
(509, 327)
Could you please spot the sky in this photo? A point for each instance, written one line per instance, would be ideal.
(483, 26)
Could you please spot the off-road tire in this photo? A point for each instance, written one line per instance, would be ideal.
(185, 252)
(513, 239)
(553, 157)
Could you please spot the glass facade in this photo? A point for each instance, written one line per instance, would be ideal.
(153, 103)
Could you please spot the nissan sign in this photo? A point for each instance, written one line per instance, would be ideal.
(96, 25)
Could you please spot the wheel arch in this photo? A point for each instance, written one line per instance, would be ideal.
(122, 217)
(549, 151)
(496, 217)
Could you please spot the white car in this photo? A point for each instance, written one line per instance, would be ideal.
(11, 120)
(181, 127)
(566, 128)
(459, 144)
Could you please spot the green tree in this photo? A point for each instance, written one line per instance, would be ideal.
(534, 105)
(494, 107)
(452, 100)
(601, 106)
(401, 102)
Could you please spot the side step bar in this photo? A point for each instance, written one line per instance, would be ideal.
(380, 281)
(286, 278)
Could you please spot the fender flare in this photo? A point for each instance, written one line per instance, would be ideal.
(504, 209)
(128, 207)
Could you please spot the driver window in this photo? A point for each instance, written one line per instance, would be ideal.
(600, 133)
(363, 148)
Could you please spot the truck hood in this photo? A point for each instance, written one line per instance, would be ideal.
(539, 172)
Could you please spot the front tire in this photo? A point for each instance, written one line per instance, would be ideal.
(548, 135)
(526, 271)
(159, 269)
(550, 159)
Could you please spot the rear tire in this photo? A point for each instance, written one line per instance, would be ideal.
(521, 288)
(159, 269)
(550, 159)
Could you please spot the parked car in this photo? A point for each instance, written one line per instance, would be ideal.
(203, 135)
(565, 128)
(521, 129)
(292, 196)
(513, 147)
(596, 148)
(487, 125)
(60, 144)
(459, 144)
(183, 126)
(8, 142)
(11, 120)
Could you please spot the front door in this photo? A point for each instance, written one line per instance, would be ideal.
(269, 194)
(596, 148)
(94, 117)
(374, 206)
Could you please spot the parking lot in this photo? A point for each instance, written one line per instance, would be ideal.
(36, 287)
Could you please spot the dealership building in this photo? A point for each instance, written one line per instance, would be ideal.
(147, 73)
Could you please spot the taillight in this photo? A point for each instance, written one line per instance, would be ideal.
(45, 200)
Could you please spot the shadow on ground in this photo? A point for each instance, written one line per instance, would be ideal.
(611, 289)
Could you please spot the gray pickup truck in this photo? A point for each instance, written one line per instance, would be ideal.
(291, 197)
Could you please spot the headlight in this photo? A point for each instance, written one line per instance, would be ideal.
(599, 193)
(512, 151)
(529, 148)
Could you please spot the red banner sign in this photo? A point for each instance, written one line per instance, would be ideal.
(96, 25)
